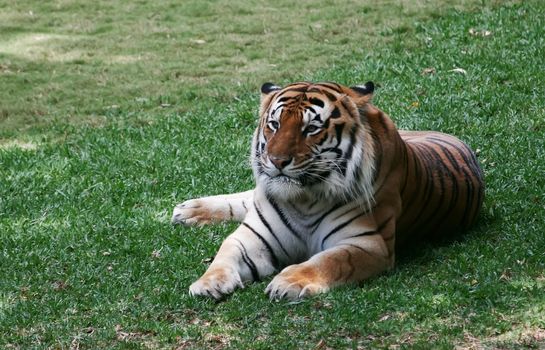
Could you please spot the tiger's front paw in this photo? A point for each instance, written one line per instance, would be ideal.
(216, 283)
(295, 282)
(192, 212)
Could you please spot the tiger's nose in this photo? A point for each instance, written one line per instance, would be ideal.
(280, 162)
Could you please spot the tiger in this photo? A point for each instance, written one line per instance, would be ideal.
(338, 189)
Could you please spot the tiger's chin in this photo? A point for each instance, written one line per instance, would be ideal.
(283, 187)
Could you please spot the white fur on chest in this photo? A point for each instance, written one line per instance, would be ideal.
(308, 226)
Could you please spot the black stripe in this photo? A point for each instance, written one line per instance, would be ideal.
(268, 226)
(469, 199)
(329, 95)
(357, 247)
(303, 88)
(283, 218)
(231, 211)
(374, 232)
(454, 194)
(313, 176)
(416, 177)
(335, 150)
(351, 264)
(472, 160)
(340, 227)
(382, 121)
(331, 85)
(443, 169)
(281, 100)
(383, 225)
(335, 113)
(378, 154)
(479, 203)
(278, 106)
(341, 167)
(319, 220)
(316, 101)
(344, 213)
(429, 187)
(311, 205)
(348, 109)
(464, 151)
(259, 146)
(428, 172)
(431, 218)
(247, 260)
(353, 131)
(339, 133)
(270, 102)
(274, 258)
(326, 124)
(449, 155)
(405, 151)
(416, 163)
(367, 233)
(390, 169)
(440, 164)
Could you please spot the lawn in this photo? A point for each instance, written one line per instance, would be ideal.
(112, 113)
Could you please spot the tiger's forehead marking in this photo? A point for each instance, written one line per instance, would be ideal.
(307, 108)
(309, 101)
(306, 91)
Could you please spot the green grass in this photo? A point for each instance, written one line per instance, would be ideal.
(88, 258)
(87, 61)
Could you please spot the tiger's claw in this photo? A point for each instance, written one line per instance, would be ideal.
(216, 284)
(290, 285)
(191, 212)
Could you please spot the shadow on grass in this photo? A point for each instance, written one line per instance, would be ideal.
(421, 250)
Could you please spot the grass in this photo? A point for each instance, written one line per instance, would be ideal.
(88, 258)
(86, 62)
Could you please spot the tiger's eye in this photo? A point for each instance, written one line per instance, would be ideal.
(311, 128)
(273, 125)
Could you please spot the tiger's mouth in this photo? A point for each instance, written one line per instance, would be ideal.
(283, 179)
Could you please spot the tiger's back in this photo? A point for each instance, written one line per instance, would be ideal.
(430, 182)
(443, 189)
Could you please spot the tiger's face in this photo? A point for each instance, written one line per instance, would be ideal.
(312, 139)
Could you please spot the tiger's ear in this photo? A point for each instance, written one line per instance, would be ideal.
(267, 88)
(362, 94)
(364, 89)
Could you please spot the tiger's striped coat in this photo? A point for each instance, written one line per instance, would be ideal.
(337, 188)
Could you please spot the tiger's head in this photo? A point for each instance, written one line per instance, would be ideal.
(313, 139)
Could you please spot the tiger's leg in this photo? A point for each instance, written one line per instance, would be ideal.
(205, 210)
(245, 256)
(348, 261)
